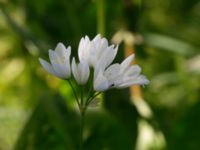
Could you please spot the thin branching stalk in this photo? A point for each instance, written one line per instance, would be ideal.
(74, 92)
(90, 99)
(82, 98)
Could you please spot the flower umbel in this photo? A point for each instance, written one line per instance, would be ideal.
(95, 54)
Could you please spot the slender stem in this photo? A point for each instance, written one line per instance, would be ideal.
(90, 93)
(82, 111)
(74, 92)
(90, 99)
(101, 16)
(82, 98)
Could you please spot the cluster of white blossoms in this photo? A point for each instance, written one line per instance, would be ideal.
(96, 55)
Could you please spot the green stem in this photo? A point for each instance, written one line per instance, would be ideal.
(82, 111)
(90, 92)
(90, 99)
(82, 98)
(74, 92)
(100, 17)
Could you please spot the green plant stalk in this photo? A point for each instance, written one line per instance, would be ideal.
(83, 108)
(92, 97)
(74, 92)
(101, 17)
(82, 111)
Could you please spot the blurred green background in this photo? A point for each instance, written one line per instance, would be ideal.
(37, 110)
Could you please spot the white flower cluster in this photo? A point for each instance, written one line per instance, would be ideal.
(96, 54)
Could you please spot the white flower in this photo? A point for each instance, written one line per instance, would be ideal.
(81, 71)
(119, 76)
(96, 51)
(60, 62)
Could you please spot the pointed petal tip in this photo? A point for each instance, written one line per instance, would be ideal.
(87, 38)
(132, 55)
(60, 45)
(69, 47)
(68, 50)
(50, 50)
(74, 59)
(98, 36)
(144, 80)
(47, 66)
(40, 59)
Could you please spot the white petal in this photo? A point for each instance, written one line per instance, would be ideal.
(60, 50)
(68, 51)
(107, 58)
(110, 55)
(84, 72)
(60, 61)
(47, 66)
(112, 72)
(133, 71)
(91, 54)
(97, 38)
(67, 67)
(56, 64)
(96, 71)
(99, 49)
(81, 49)
(100, 83)
(96, 50)
(87, 38)
(100, 44)
(126, 63)
(84, 50)
(75, 71)
(140, 80)
(104, 43)
(63, 59)
(65, 62)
